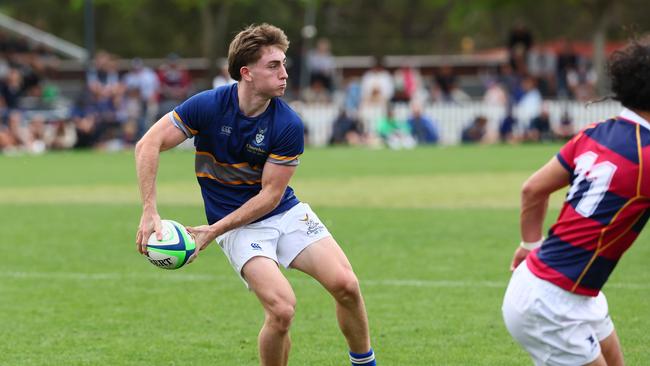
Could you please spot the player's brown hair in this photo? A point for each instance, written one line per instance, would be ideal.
(246, 46)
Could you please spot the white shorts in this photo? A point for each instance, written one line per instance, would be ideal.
(280, 237)
(555, 326)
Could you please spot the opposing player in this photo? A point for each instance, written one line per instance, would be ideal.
(248, 142)
(554, 306)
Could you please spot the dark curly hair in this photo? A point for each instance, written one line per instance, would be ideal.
(629, 72)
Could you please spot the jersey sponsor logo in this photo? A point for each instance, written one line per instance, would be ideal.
(226, 130)
(256, 246)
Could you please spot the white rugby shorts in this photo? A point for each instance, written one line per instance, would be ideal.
(555, 326)
(280, 237)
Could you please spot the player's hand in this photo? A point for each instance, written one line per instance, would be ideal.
(518, 257)
(149, 223)
(203, 236)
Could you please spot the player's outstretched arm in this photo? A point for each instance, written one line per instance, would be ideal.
(275, 179)
(534, 202)
(163, 135)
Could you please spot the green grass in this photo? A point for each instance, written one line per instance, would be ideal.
(430, 233)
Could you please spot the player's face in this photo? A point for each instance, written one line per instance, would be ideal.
(269, 73)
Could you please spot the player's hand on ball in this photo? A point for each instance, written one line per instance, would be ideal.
(150, 222)
(518, 257)
(203, 236)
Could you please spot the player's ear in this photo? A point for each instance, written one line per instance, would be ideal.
(245, 73)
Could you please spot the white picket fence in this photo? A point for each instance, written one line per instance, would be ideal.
(452, 118)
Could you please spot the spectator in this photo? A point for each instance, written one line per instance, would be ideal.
(507, 127)
(530, 104)
(377, 85)
(321, 64)
(422, 128)
(565, 130)
(347, 130)
(143, 85)
(316, 93)
(222, 78)
(582, 82)
(408, 85)
(495, 94)
(12, 88)
(395, 133)
(540, 128)
(175, 83)
(103, 79)
(476, 132)
(566, 60)
(520, 41)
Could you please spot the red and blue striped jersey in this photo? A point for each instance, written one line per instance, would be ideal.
(606, 207)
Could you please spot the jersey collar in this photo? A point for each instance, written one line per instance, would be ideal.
(631, 116)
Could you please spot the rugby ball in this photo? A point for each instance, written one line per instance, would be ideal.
(175, 248)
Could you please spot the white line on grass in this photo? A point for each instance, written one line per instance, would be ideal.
(81, 276)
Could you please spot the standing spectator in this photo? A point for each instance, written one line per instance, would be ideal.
(12, 88)
(520, 40)
(143, 82)
(423, 129)
(321, 64)
(476, 132)
(175, 83)
(566, 60)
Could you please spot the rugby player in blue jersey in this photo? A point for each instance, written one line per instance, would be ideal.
(554, 306)
(248, 142)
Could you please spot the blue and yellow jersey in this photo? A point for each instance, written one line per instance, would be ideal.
(231, 148)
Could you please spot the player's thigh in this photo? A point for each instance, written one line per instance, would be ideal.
(610, 348)
(268, 283)
(325, 261)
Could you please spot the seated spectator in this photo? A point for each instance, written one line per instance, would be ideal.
(422, 128)
(395, 134)
(565, 130)
(540, 128)
(507, 128)
(347, 130)
(476, 132)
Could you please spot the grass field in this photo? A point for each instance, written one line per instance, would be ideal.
(430, 233)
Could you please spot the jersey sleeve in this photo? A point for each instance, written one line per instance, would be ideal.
(191, 116)
(289, 146)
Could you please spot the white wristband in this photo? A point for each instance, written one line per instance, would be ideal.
(533, 245)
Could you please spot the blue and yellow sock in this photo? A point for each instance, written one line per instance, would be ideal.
(363, 359)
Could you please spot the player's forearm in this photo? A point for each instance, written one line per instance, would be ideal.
(146, 161)
(258, 206)
(533, 212)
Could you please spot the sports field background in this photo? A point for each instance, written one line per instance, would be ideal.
(430, 233)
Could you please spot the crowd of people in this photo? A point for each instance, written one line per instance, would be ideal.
(117, 105)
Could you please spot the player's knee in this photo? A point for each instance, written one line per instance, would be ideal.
(280, 315)
(345, 288)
